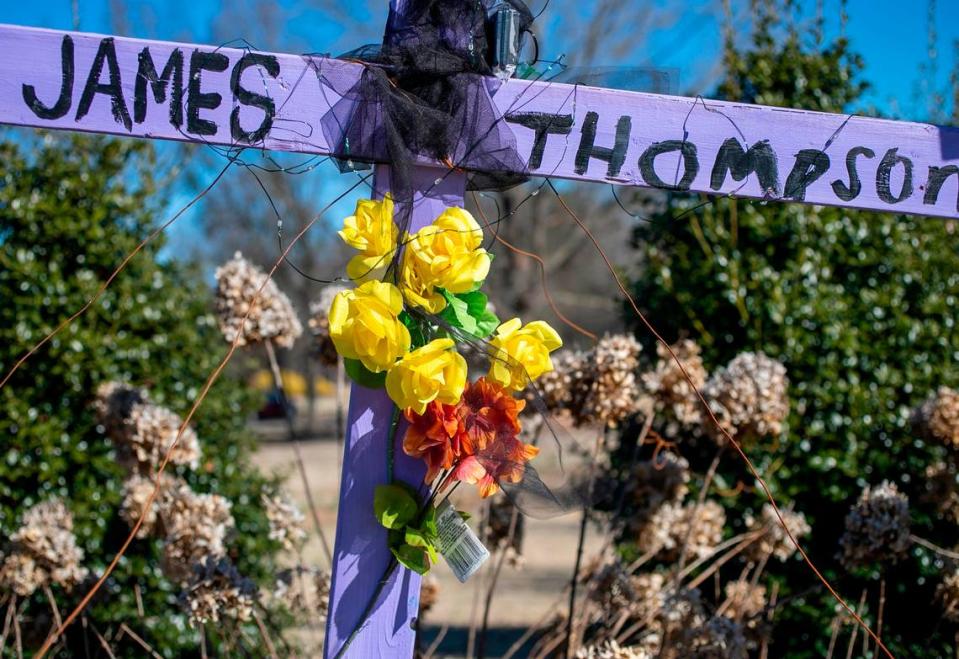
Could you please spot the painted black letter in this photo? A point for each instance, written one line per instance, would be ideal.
(106, 53)
(147, 73)
(690, 163)
(615, 156)
(889, 161)
(542, 125)
(247, 97)
(195, 99)
(62, 106)
(810, 165)
(938, 176)
(850, 192)
(760, 158)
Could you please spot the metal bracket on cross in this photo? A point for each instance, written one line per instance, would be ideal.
(237, 98)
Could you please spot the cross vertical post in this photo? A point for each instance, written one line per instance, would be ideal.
(361, 554)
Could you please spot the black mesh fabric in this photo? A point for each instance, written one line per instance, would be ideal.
(426, 94)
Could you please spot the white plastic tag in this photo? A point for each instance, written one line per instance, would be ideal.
(463, 551)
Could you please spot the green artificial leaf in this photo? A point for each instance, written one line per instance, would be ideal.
(415, 538)
(470, 312)
(428, 526)
(478, 308)
(393, 506)
(412, 557)
(465, 516)
(362, 375)
(457, 314)
(419, 334)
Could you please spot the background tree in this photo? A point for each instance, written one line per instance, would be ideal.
(860, 307)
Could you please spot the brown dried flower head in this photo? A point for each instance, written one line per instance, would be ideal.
(196, 528)
(142, 431)
(748, 397)
(744, 599)
(287, 523)
(948, 595)
(700, 528)
(271, 316)
(877, 527)
(774, 540)
(305, 590)
(671, 391)
(938, 417)
(657, 482)
(136, 492)
(555, 387)
(607, 391)
(613, 650)
(217, 591)
(319, 324)
(43, 551)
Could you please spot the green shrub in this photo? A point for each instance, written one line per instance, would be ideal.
(70, 210)
(861, 309)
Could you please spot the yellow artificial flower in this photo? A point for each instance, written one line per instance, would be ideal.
(370, 230)
(446, 254)
(364, 325)
(434, 372)
(520, 354)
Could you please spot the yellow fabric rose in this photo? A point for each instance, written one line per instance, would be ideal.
(370, 230)
(446, 254)
(364, 325)
(520, 354)
(434, 372)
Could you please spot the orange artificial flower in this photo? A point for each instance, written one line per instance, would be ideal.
(504, 460)
(486, 409)
(435, 436)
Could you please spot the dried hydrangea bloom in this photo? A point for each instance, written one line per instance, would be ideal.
(718, 638)
(272, 317)
(700, 528)
(497, 531)
(429, 593)
(610, 586)
(678, 621)
(654, 483)
(555, 388)
(319, 324)
(150, 431)
(20, 574)
(196, 529)
(671, 391)
(877, 527)
(43, 551)
(941, 485)
(938, 417)
(613, 650)
(748, 397)
(287, 523)
(615, 392)
(304, 589)
(217, 591)
(113, 403)
(774, 540)
(744, 599)
(136, 492)
(948, 595)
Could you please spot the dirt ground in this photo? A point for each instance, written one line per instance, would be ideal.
(524, 594)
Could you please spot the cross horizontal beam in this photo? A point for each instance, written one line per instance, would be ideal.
(230, 97)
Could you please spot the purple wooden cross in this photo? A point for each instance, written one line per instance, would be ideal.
(230, 97)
